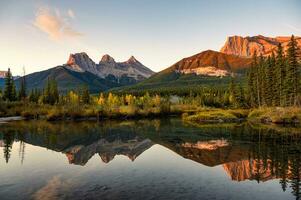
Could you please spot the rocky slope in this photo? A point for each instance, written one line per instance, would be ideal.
(245, 46)
(128, 72)
(220, 64)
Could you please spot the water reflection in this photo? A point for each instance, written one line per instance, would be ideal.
(245, 152)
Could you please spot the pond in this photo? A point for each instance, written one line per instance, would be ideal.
(148, 159)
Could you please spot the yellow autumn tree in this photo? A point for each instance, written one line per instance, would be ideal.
(157, 100)
(129, 99)
(101, 100)
(73, 98)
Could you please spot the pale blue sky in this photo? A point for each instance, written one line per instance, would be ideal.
(41, 34)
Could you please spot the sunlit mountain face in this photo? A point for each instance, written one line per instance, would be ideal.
(240, 152)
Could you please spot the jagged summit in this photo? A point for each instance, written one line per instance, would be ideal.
(246, 46)
(132, 59)
(130, 71)
(81, 62)
(107, 58)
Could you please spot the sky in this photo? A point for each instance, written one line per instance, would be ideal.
(40, 34)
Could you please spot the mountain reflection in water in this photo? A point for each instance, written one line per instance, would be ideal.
(244, 152)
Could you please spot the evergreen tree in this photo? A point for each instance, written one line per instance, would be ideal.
(262, 81)
(292, 79)
(241, 97)
(22, 91)
(50, 93)
(269, 84)
(233, 93)
(274, 81)
(85, 96)
(14, 92)
(34, 95)
(280, 76)
(253, 82)
(9, 88)
(54, 92)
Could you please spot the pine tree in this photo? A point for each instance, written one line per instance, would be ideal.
(50, 93)
(292, 74)
(241, 97)
(85, 96)
(269, 84)
(280, 76)
(232, 91)
(262, 81)
(54, 92)
(22, 91)
(14, 92)
(253, 82)
(274, 81)
(9, 89)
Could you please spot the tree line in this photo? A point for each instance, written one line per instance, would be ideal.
(275, 80)
(49, 95)
(271, 81)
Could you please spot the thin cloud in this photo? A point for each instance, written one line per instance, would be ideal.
(293, 28)
(71, 14)
(54, 24)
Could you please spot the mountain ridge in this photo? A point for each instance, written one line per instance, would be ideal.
(107, 66)
(246, 46)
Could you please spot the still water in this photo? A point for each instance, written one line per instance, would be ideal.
(148, 159)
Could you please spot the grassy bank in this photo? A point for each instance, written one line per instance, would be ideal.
(90, 112)
(150, 107)
(276, 115)
(216, 115)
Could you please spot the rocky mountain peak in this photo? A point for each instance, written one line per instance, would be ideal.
(246, 46)
(107, 58)
(107, 66)
(73, 58)
(3, 74)
(81, 62)
(132, 59)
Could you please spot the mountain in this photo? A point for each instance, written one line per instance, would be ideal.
(81, 70)
(67, 80)
(124, 73)
(245, 46)
(3, 74)
(206, 68)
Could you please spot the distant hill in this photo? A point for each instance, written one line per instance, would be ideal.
(208, 68)
(245, 46)
(68, 80)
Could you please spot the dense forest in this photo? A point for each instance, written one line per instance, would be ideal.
(275, 81)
